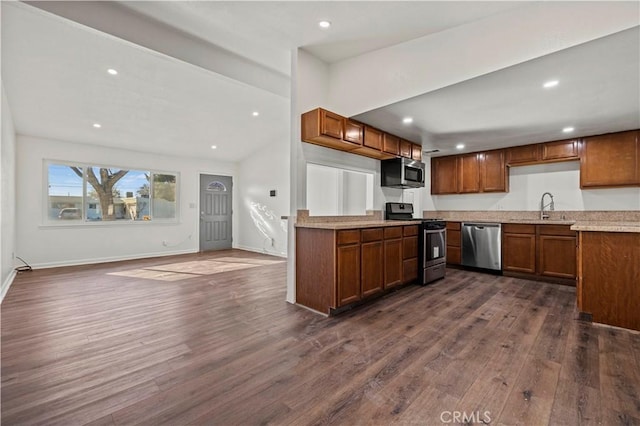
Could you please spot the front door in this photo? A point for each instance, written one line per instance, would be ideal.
(215, 212)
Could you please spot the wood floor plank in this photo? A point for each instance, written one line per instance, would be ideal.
(109, 345)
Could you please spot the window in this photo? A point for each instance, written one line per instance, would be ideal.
(79, 193)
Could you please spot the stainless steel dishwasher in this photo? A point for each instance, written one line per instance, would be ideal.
(482, 245)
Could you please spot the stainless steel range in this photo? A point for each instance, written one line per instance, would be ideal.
(432, 241)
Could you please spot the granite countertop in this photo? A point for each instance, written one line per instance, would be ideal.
(524, 221)
(355, 224)
(597, 226)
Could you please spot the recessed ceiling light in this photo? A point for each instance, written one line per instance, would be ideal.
(97, 125)
(551, 83)
(255, 113)
(213, 147)
(407, 120)
(460, 146)
(324, 24)
(112, 71)
(568, 129)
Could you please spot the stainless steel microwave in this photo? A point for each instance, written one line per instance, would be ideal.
(402, 173)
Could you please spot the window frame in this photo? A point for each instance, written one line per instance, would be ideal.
(47, 221)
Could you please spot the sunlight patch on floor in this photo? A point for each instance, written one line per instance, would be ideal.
(184, 270)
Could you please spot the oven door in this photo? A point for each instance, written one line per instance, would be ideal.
(435, 247)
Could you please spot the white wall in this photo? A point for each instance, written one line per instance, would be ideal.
(44, 246)
(259, 214)
(418, 66)
(8, 196)
(528, 183)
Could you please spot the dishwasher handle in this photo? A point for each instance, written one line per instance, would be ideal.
(480, 225)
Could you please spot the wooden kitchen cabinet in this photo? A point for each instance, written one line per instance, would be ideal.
(390, 144)
(416, 152)
(494, 176)
(392, 256)
(410, 253)
(454, 243)
(468, 173)
(525, 154)
(444, 175)
(322, 127)
(610, 160)
(353, 132)
(372, 271)
(608, 287)
(560, 151)
(372, 144)
(541, 251)
(519, 251)
(336, 268)
(405, 148)
(557, 251)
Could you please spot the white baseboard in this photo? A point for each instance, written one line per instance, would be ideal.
(7, 283)
(257, 250)
(110, 259)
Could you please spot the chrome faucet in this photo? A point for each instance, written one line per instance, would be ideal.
(543, 206)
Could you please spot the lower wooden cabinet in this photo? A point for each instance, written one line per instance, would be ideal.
(335, 268)
(540, 251)
(454, 243)
(392, 256)
(348, 260)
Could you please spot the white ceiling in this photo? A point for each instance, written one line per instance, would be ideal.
(54, 72)
(599, 92)
(267, 30)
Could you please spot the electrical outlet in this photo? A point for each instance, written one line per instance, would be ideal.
(164, 243)
(273, 242)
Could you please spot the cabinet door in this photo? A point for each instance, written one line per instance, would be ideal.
(469, 173)
(390, 144)
(444, 175)
(416, 152)
(453, 243)
(405, 148)
(409, 270)
(353, 132)
(409, 247)
(519, 253)
(523, 154)
(331, 124)
(372, 138)
(494, 171)
(372, 268)
(557, 256)
(392, 262)
(610, 160)
(348, 274)
(560, 150)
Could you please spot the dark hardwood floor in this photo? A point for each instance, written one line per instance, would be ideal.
(208, 339)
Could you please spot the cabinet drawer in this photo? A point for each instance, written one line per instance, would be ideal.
(349, 236)
(392, 232)
(517, 228)
(410, 230)
(374, 234)
(564, 230)
(453, 226)
(453, 238)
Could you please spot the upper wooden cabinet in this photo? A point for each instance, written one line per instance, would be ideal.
(610, 160)
(469, 173)
(405, 148)
(390, 144)
(549, 152)
(444, 175)
(328, 129)
(353, 132)
(416, 152)
(493, 171)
